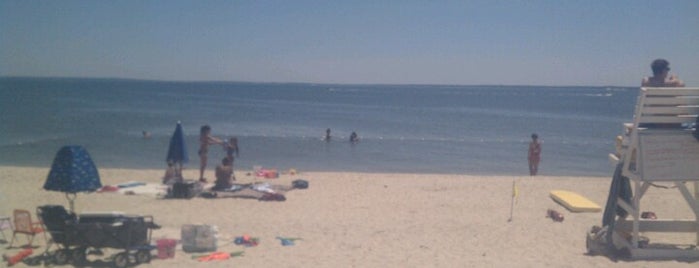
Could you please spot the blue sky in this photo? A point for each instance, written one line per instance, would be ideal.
(395, 42)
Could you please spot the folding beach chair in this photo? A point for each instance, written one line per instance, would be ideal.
(58, 222)
(5, 224)
(23, 225)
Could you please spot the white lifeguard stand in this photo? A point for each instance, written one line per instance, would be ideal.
(659, 147)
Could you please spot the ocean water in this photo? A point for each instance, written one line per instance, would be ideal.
(403, 128)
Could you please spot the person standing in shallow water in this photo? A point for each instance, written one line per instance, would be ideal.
(205, 139)
(327, 135)
(534, 155)
(354, 138)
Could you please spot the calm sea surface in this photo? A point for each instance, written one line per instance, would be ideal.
(403, 128)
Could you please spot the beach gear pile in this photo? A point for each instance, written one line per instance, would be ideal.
(244, 240)
(204, 239)
(262, 191)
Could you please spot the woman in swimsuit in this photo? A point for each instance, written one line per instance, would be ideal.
(205, 139)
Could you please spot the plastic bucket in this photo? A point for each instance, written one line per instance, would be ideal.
(166, 248)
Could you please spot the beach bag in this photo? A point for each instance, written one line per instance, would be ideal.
(198, 238)
(300, 184)
(186, 189)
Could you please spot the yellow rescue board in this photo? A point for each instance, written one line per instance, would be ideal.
(574, 202)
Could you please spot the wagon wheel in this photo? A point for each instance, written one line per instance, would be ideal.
(121, 260)
(143, 256)
(79, 256)
(61, 256)
(588, 245)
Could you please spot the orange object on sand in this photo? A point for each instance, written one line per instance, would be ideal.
(108, 189)
(17, 257)
(215, 256)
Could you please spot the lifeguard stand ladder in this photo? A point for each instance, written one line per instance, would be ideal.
(658, 147)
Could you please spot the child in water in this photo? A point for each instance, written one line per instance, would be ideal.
(354, 138)
(231, 147)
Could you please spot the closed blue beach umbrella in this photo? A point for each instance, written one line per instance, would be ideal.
(177, 151)
(72, 172)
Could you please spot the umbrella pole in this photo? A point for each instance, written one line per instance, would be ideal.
(70, 201)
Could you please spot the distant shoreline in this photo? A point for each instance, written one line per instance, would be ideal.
(66, 78)
(283, 171)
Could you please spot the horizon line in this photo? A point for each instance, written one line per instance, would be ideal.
(307, 83)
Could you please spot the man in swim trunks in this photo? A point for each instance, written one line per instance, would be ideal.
(661, 69)
(205, 139)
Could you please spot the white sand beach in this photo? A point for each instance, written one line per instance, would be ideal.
(368, 220)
